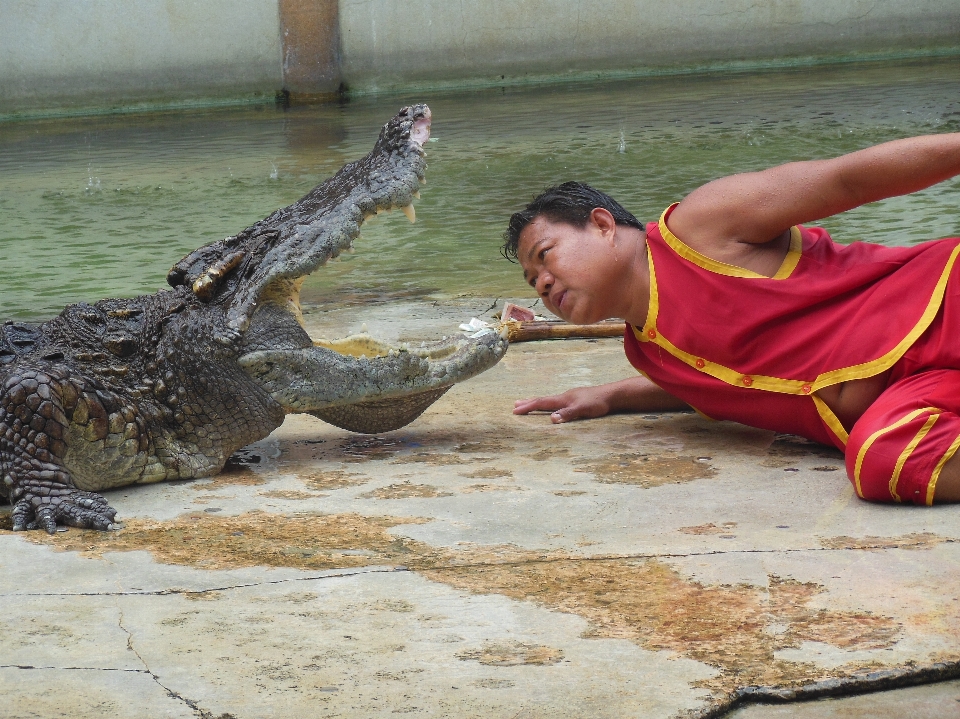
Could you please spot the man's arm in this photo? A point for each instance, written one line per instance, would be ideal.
(636, 394)
(756, 207)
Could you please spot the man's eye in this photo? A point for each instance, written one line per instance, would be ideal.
(542, 254)
(533, 282)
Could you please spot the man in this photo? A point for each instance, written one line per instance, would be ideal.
(736, 309)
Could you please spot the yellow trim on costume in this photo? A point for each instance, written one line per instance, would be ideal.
(932, 485)
(653, 305)
(787, 267)
(905, 455)
(830, 419)
(875, 436)
(794, 253)
(886, 361)
(650, 333)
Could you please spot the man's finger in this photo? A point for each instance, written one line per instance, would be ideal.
(523, 406)
(564, 414)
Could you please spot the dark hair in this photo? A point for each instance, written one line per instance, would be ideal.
(571, 202)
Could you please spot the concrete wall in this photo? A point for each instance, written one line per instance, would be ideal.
(98, 53)
(386, 43)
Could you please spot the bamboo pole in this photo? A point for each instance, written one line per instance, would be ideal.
(531, 331)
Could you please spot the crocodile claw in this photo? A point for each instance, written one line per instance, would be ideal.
(45, 509)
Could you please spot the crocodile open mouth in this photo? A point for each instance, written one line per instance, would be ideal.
(358, 383)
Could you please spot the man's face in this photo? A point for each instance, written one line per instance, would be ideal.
(573, 270)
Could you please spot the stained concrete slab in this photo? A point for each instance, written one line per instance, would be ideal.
(936, 701)
(479, 564)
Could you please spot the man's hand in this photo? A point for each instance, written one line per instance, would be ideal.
(636, 394)
(579, 403)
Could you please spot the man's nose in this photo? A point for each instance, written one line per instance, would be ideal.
(544, 283)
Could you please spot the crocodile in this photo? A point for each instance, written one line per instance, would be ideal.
(168, 386)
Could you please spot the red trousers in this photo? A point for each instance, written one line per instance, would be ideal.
(898, 447)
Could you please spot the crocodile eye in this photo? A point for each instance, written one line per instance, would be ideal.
(120, 345)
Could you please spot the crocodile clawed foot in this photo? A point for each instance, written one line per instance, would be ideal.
(46, 505)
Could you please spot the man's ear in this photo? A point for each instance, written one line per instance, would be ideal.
(604, 221)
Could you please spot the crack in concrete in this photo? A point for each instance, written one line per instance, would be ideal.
(175, 591)
(79, 669)
(475, 565)
(194, 706)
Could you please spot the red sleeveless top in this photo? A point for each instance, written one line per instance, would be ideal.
(737, 345)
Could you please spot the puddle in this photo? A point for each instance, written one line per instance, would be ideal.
(332, 480)
(511, 654)
(545, 454)
(440, 459)
(709, 528)
(289, 494)
(736, 629)
(490, 488)
(487, 473)
(646, 470)
(654, 606)
(914, 540)
(364, 448)
(248, 540)
(230, 476)
(791, 445)
(493, 683)
(406, 490)
(482, 447)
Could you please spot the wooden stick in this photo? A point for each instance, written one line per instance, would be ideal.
(531, 331)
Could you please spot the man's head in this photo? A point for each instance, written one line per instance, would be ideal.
(571, 203)
(577, 246)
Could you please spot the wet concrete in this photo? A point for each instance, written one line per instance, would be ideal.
(480, 564)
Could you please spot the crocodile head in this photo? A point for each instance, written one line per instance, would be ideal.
(254, 279)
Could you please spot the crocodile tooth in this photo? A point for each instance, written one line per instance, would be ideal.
(410, 212)
(416, 194)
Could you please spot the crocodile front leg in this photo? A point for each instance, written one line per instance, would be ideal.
(32, 428)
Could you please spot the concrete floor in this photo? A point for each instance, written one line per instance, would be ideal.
(478, 564)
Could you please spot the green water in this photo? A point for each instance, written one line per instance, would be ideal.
(99, 207)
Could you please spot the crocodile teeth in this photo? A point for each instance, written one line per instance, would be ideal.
(417, 194)
(410, 212)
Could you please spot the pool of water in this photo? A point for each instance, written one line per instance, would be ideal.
(97, 207)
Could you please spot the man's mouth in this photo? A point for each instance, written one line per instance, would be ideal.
(558, 300)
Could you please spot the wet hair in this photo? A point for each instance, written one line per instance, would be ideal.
(570, 202)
